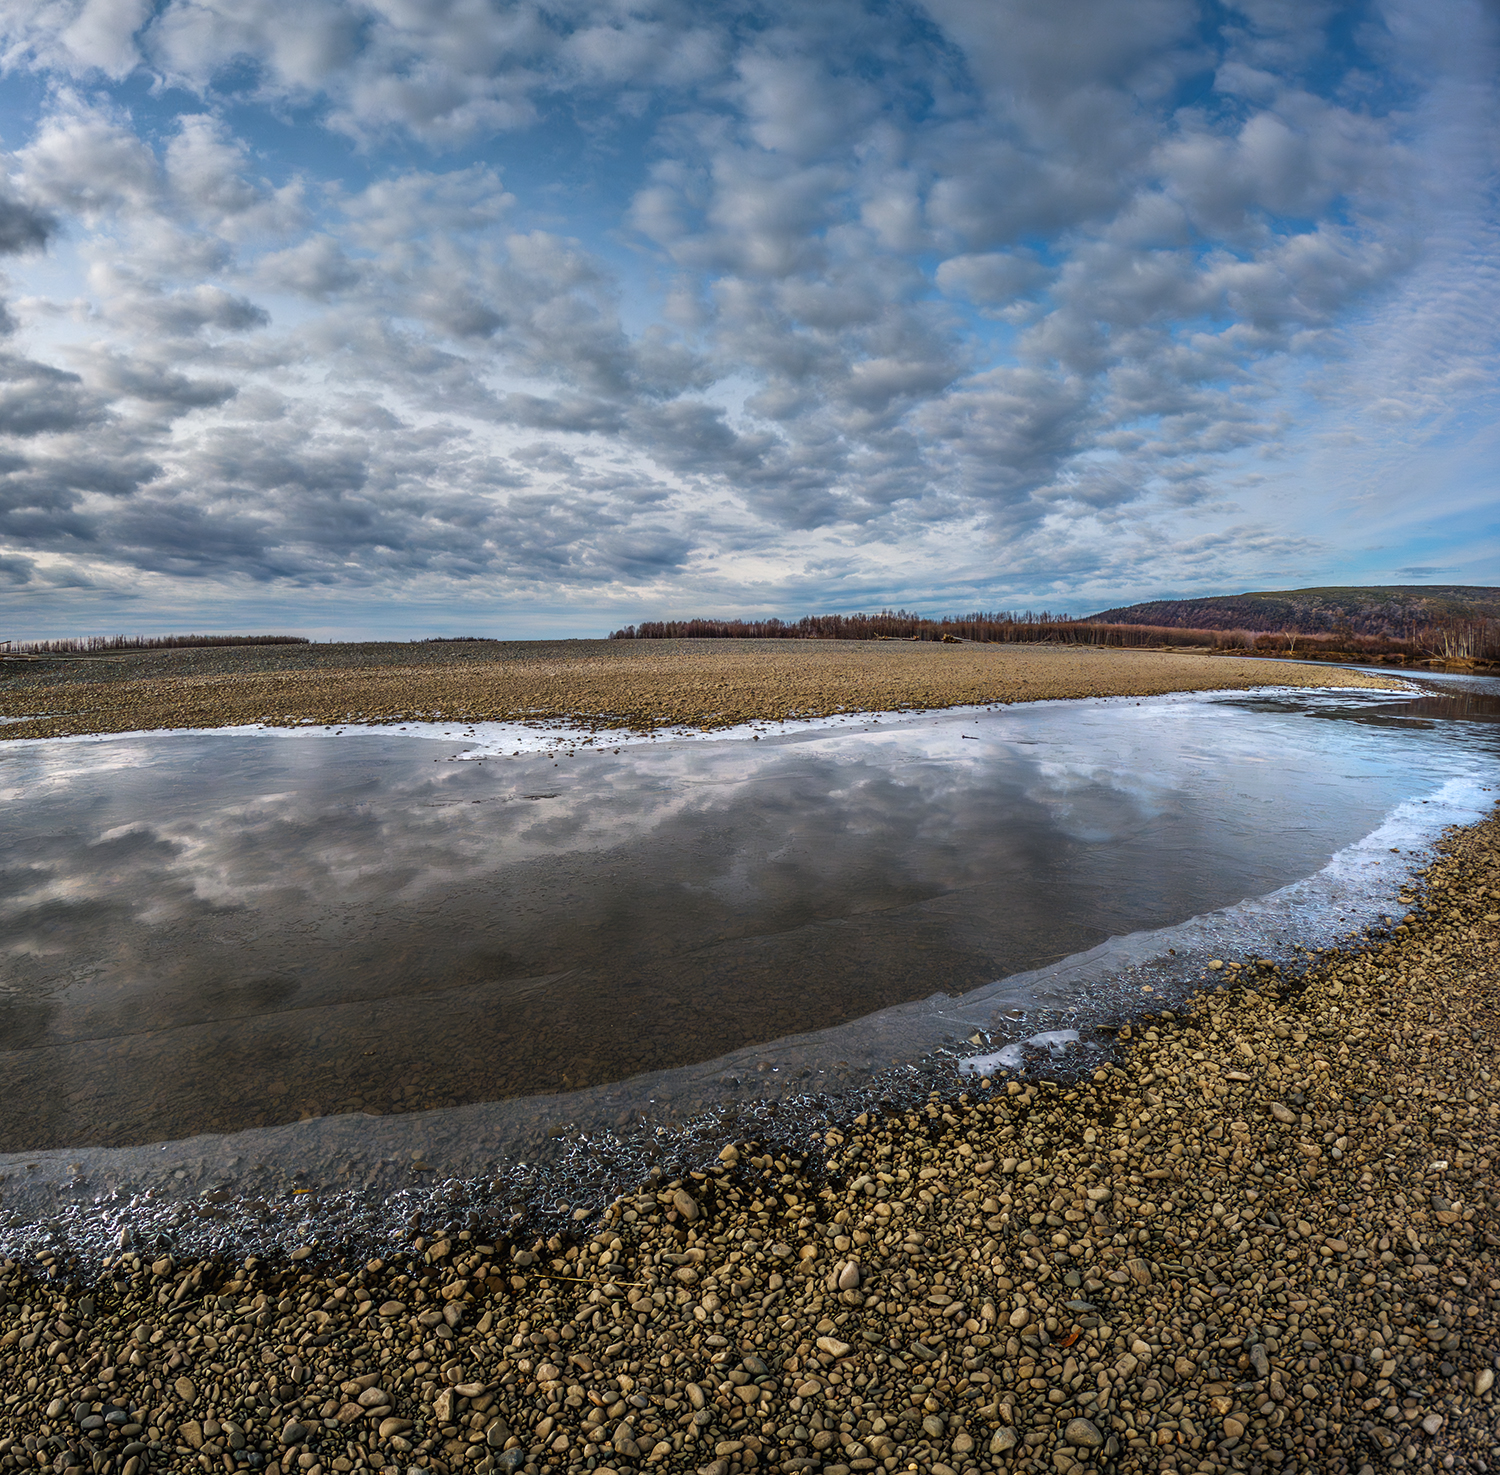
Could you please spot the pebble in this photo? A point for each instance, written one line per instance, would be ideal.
(1083, 1433)
(1311, 1295)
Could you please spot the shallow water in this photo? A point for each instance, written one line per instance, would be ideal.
(233, 959)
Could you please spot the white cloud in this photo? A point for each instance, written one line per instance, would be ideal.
(89, 164)
(316, 268)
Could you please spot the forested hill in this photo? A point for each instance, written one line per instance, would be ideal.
(1391, 610)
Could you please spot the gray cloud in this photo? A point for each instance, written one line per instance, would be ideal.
(23, 227)
(315, 268)
(36, 399)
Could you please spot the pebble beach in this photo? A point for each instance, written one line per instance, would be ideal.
(1261, 1237)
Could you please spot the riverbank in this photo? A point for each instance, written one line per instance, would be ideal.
(1262, 1237)
(592, 685)
(1422, 665)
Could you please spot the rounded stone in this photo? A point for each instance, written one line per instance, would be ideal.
(1082, 1434)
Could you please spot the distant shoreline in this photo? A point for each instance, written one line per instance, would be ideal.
(1435, 665)
(596, 685)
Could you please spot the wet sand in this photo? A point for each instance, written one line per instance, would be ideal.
(1263, 1237)
(593, 685)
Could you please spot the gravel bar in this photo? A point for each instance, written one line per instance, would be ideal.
(1261, 1238)
(593, 684)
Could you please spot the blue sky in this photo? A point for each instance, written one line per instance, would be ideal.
(399, 317)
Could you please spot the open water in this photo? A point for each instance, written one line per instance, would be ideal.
(271, 986)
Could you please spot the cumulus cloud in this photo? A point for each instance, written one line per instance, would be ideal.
(315, 268)
(987, 300)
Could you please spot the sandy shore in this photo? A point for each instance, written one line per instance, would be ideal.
(640, 685)
(1262, 1238)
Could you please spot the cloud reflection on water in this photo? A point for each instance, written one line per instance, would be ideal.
(204, 934)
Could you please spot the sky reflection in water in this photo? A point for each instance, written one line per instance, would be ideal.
(205, 934)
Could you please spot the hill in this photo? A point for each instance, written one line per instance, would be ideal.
(1395, 611)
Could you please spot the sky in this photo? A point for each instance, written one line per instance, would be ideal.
(393, 318)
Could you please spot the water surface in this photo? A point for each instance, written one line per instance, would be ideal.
(207, 935)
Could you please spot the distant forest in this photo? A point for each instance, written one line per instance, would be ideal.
(1441, 634)
(1395, 610)
(97, 644)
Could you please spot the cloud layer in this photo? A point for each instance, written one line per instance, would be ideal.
(339, 312)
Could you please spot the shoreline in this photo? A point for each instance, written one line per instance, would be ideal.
(482, 739)
(600, 686)
(505, 1150)
(1261, 1237)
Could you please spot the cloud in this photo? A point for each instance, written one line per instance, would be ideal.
(316, 268)
(992, 278)
(981, 297)
(36, 399)
(88, 164)
(149, 311)
(23, 227)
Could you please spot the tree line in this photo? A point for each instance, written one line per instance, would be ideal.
(1450, 640)
(93, 644)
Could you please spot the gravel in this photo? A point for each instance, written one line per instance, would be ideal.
(598, 685)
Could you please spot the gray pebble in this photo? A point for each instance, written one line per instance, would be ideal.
(1082, 1433)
